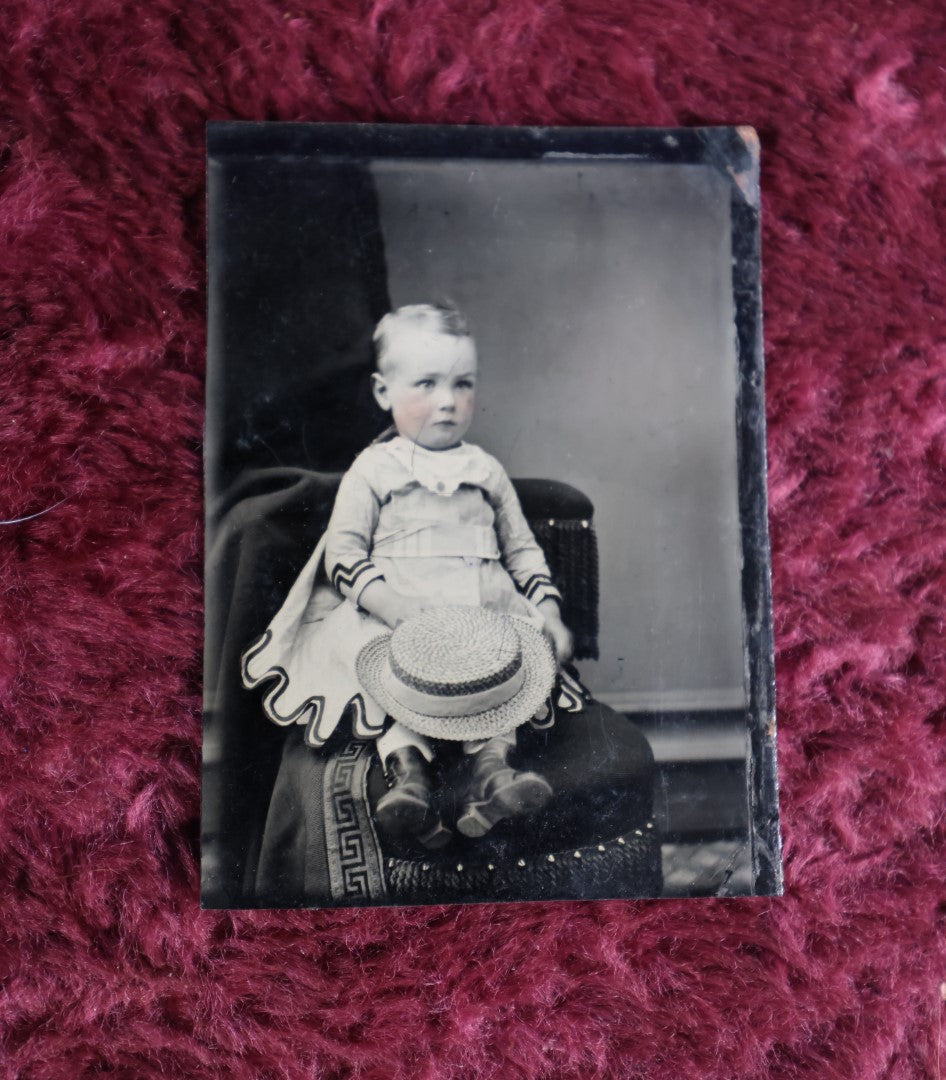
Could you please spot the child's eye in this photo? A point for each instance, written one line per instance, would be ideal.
(464, 384)
(425, 384)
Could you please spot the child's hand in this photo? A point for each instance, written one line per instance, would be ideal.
(389, 606)
(406, 607)
(561, 636)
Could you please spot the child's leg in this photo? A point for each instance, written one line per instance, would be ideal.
(494, 789)
(407, 807)
(474, 746)
(397, 737)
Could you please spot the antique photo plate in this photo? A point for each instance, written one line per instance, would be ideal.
(603, 288)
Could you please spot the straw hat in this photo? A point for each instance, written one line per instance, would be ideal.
(459, 672)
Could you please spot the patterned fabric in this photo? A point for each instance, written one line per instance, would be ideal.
(354, 860)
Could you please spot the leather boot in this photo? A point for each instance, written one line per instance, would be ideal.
(496, 791)
(406, 808)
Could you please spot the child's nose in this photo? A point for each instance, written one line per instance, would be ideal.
(448, 399)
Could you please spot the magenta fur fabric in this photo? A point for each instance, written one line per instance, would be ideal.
(108, 964)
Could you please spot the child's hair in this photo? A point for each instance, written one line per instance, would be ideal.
(442, 317)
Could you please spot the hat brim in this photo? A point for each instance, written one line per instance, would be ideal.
(538, 662)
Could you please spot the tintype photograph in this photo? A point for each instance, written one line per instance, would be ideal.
(487, 576)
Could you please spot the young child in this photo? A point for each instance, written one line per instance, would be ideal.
(421, 519)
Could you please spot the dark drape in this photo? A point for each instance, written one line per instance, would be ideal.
(296, 284)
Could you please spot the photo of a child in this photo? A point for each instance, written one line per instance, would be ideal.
(422, 520)
(487, 577)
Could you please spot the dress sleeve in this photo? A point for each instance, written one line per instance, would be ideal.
(348, 539)
(521, 554)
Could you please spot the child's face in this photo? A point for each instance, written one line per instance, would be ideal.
(429, 386)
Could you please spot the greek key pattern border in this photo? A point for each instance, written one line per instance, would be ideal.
(354, 860)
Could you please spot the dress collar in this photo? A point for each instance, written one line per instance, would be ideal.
(440, 471)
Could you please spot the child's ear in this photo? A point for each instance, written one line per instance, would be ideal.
(380, 390)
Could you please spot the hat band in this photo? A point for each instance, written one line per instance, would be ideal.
(458, 705)
(455, 689)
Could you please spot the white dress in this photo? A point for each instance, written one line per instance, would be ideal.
(443, 526)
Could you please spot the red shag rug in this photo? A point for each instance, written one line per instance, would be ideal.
(109, 965)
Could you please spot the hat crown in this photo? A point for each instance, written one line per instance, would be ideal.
(455, 650)
(459, 673)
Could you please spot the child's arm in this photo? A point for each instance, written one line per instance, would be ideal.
(348, 544)
(348, 538)
(525, 561)
(559, 633)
